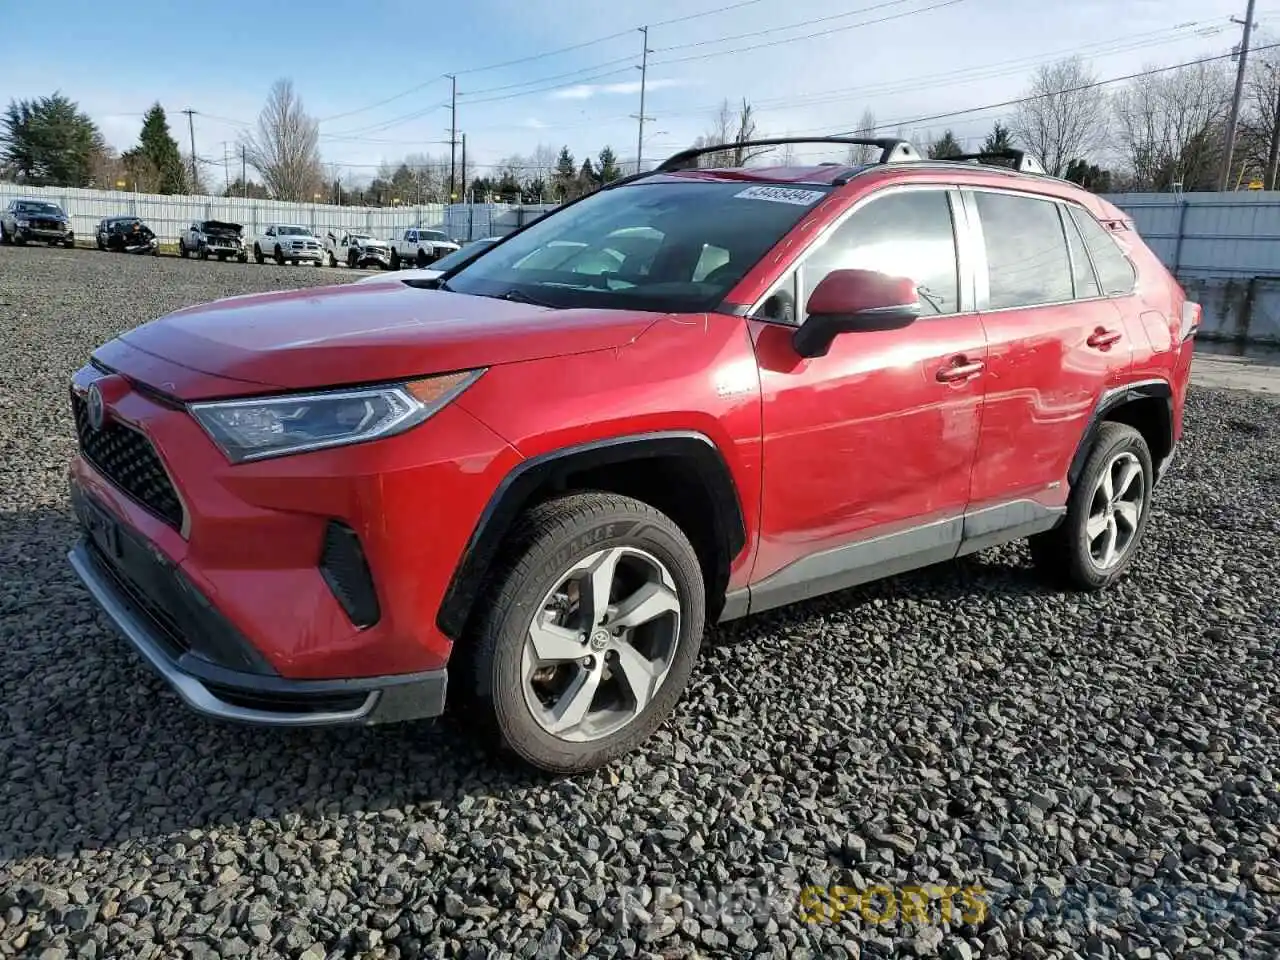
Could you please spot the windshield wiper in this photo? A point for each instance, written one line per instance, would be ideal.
(519, 296)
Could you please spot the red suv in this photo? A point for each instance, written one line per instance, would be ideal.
(692, 395)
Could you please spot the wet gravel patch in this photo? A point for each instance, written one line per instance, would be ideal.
(956, 763)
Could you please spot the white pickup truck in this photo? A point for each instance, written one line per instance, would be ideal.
(356, 250)
(288, 243)
(417, 247)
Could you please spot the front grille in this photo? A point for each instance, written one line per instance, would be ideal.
(46, 224)
(345, 570)
(126, 458)
(166, 627)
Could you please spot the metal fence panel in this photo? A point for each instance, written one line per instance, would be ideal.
(168, 216)
(1225, 250)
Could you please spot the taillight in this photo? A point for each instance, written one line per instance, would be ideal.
(1191, 312)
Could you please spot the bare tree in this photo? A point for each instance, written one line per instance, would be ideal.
(284, 147)
(860, 155)
(1259, 132)
(1170, 126)
(732, 127)
(1064, 115)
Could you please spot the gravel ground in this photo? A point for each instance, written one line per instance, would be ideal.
(1102, 769)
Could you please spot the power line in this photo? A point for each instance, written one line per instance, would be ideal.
(789, 26)
(808, 36)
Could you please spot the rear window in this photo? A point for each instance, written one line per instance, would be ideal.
(1115, 272)
(678, 245)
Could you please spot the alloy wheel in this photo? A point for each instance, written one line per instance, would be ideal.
(601, 644)
(1115, 510)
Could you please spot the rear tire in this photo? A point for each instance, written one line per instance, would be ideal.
(1107, 514)
(597, 686)
(182, 249)
(333, 261)
(279, 257)
(257, 254)
(395, 260)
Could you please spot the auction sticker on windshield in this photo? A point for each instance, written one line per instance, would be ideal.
(803, 198)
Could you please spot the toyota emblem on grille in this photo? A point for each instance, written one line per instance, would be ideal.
(97, 409)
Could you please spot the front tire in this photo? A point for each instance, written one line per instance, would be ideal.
(423, 259)
(182, 249)
(279, 256)
(593, 631)
(395, 260)
(1107, 513)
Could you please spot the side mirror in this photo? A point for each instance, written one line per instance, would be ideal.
(851, 300)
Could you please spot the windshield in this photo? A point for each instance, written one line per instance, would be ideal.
(361, 236)
(31, 206)
(293, 232)
(451, 260)
(432, 235)
(670, 246)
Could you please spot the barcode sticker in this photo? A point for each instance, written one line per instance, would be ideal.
(802, 198)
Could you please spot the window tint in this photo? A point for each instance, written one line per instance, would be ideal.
(1081, 270)
(906, 234)
(1027, 259)
(1114, 269)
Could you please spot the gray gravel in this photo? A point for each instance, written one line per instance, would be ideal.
(1103, 768)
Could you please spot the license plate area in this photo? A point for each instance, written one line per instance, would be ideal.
(102, 528)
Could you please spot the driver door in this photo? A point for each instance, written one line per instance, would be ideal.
(869, 450)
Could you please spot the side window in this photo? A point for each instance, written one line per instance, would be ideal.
(1115, 272)
(1081, 269)
(711, 260)
(908, 233)
(1027, 262)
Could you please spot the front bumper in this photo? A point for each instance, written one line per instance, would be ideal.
(244, 696)
(302, 254)
(44, 235)
(380, 257)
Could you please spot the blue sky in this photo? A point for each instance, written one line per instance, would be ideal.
(924, 58)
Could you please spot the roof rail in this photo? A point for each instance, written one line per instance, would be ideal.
(1020, 160)
(892, 150)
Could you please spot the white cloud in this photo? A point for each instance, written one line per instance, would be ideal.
(533, 123)
(585, 91)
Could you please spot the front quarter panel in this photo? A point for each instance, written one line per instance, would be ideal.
(687, 373)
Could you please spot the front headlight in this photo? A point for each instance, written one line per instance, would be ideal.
(275, 426)
(24, 223)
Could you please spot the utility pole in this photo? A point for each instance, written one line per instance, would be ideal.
(244, 172)
(1224, 176)
(191, 127)
(226, 164)
(453, 132)
(644, 76)
(464, 168)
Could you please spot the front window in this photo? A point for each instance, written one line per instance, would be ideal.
(292, 232)
(38, 209)
(432, 235)
(678, 245)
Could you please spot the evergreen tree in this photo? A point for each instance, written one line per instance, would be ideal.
(944, 147)
(565, 175)
(1000, 138)
(50, 142)
(157, 146)
(607, 167)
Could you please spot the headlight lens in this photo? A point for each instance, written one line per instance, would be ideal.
(24, 223)
(276, 426)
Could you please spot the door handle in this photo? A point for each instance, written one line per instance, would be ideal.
(960, 369)
(1103, 338)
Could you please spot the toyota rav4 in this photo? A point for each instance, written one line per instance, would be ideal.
(693, 395)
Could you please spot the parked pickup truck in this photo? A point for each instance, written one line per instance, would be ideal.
(356, 250)
(213, 238)
(419, 247)
(38, 221)
(288, 243)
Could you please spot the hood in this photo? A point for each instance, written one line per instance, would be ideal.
(217, 226)
(355, 333)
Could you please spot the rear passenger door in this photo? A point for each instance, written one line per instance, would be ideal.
(1056, 342)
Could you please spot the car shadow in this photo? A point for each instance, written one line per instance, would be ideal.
(95, 751)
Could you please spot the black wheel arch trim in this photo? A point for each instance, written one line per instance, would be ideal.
(1111, 400)
(518, 486)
